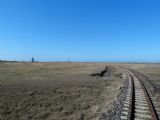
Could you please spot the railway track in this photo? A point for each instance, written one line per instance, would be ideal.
(138, 104)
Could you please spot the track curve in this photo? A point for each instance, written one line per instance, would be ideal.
(138, 104)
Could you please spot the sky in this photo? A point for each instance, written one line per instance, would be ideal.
(81, 30)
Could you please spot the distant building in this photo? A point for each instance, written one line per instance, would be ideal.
(32, 59)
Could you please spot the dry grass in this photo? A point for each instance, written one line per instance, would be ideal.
(54, 91)
(150, 70)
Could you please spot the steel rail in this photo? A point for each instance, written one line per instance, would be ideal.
(131, 113)
(131, 107)
(151, 106)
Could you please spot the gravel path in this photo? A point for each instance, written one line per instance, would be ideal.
(116, 107)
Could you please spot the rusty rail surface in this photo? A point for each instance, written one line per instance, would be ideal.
(131, 108)
(149, 101)
(151, 106)
(131, 112)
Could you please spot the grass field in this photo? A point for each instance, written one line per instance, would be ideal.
(150, 70)
(54, 91)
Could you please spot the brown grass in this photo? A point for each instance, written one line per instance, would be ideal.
(54, 91)
(150, 70)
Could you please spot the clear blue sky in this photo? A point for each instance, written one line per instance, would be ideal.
(83, 30)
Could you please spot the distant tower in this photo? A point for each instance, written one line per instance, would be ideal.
(32, 59)
(68, 60)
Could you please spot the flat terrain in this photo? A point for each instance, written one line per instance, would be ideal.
(152, 71)
(55, 91)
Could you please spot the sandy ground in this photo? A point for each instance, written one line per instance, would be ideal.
(55, 91)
